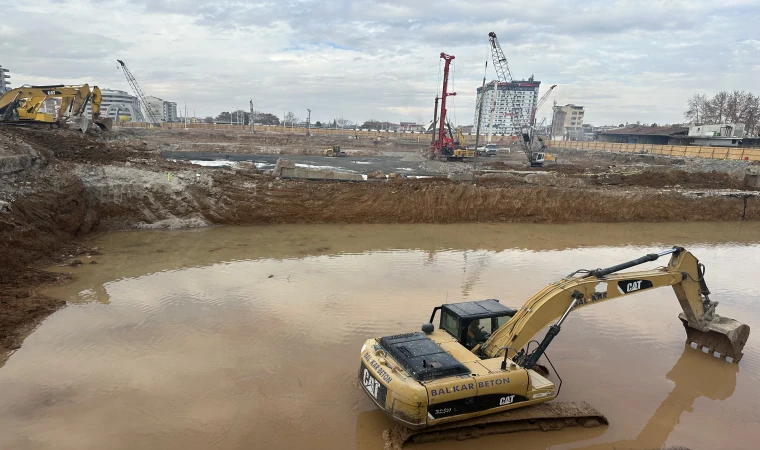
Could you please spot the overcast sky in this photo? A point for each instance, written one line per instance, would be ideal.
(623, 60)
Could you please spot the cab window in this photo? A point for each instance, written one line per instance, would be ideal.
(478, 331)
(500, 321)
(450, 324)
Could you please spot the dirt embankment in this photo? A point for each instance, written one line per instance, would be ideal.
(263, 142)
(75, 185)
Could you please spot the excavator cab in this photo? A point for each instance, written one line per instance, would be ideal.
(472, 323)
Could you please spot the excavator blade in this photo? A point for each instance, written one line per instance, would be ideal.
(725, 338)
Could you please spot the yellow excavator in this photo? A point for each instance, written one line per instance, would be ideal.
(23, 105)
(334, 151)
(458, 151)
(479, 368)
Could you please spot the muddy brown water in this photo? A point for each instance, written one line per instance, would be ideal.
(249, 338)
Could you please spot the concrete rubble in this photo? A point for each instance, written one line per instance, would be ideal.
(287, 169)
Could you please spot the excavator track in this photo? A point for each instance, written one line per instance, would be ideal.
(543, 416)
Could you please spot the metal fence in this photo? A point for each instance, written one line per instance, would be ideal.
(688, 151)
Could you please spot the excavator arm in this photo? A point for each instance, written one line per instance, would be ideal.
(725, 337)
(24, 104)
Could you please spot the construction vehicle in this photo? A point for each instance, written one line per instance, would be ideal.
(442, 146)
(147, 111)
(479, 368)
(525, 117)
(458, 150)
(23, 106)
(488, 150)
(334, 151)
(460, 143)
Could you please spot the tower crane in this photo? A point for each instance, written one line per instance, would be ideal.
(148, 113)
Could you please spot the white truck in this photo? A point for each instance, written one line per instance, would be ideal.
(488, 150)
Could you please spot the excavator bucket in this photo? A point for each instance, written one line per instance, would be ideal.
(104, 123)
(723, 337)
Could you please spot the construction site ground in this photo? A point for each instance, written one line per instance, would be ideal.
(59, 187)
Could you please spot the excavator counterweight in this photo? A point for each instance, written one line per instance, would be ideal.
(479, 361)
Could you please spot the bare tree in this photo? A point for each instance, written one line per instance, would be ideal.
(290, 117)
(696, 108)
(717, 107)
(734, 107)
(736, 104)
(343, 122)
(752, 114)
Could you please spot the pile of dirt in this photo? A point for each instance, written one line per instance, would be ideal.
(66, 145)
(680, 178)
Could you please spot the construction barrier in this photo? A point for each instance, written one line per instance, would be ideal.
(687, 151)
(407, 136)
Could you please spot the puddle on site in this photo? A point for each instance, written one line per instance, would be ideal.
(240, 338)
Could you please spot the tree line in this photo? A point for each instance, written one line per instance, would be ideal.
(264, 118)
(243, 118)
(725, 107)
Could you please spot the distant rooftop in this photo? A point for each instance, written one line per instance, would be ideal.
(641, 130)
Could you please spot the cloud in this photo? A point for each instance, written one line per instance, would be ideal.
(624, 60)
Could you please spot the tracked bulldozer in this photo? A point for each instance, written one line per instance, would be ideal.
(479, 370)
(24, 106)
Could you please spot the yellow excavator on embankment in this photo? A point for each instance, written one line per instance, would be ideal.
(477, 370)
(23, 105)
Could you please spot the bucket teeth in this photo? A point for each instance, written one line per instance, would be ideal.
(724, 338)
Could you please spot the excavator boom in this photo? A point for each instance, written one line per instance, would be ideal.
(724, 337)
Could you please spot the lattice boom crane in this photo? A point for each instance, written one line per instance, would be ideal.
(499, 60)
(540, 104)
(140, 94)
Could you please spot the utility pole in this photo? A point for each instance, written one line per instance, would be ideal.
(186, 115)
(251, 116)
(308, 123)
(435, 121)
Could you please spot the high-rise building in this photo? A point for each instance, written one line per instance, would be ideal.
(170, 112)
(119, 106)
(4, 80)
(510, 104)
(161, 109)
(567, 121)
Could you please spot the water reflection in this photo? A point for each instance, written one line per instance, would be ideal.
(694, 375)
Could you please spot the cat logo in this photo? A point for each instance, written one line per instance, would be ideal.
(628, 286)
(506, 400)
(370, 383)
